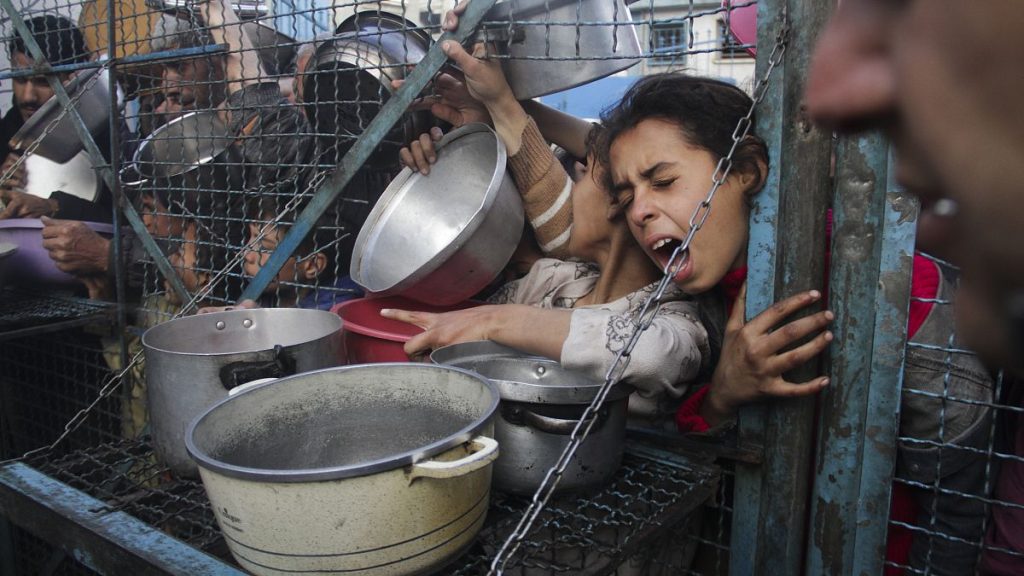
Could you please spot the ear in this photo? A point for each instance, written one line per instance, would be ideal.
(753, 178)
(615, 209)
(311, 267)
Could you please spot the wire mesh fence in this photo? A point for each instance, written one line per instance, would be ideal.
(223, 121)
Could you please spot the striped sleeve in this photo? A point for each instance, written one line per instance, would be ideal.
(546, 190)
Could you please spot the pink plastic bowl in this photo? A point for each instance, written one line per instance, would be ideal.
(369, 338)
(31, 265)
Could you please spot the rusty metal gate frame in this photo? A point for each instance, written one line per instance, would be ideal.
(783, 523)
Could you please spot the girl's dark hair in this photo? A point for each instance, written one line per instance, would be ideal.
(706, 111)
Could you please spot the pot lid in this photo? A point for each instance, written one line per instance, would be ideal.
(521, 377)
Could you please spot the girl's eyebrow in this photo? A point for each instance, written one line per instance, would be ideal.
(650, 172)
(647, 174)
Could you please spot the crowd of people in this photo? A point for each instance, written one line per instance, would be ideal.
(605, 220)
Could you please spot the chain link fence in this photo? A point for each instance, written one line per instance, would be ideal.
(220, 126)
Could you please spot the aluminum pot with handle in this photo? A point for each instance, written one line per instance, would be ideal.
(372, 470)
(192, 362)
(541, 402)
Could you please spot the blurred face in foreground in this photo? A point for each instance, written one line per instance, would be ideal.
(942, 79)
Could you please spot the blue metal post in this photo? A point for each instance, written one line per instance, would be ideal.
(98, 162)
(786, 255)
(84, 527)
(364, 146)
(871, 265)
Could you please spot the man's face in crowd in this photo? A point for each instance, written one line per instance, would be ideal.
(30, 92)
(942, 78)
(194, 84)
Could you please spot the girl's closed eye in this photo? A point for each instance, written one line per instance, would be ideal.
(664, 182)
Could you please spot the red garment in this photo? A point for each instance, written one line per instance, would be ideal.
(731, 285)
(924, 284)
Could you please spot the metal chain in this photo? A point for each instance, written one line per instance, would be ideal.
(646, 317)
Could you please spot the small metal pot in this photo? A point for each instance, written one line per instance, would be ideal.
(549, 51)
(62, 143)
(349, 79)
(192, 153)
(376, 470)
(192, 362)
(442, 238)
(541, 402)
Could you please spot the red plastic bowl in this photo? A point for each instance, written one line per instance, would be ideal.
(369, 337)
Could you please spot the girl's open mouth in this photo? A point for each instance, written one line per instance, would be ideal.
(663, 250)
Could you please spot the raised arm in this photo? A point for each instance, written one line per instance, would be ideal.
(242, 63)
(563, 129)
(543, 183)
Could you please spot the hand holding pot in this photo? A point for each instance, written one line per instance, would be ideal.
(450, 101)
(17, 180)
(18, 204)
(75, 248)
(420, 153)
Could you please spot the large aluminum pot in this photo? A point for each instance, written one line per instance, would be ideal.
(192, 362)
(442, 238)
(550, 49)
(541, 402)
(192, 153)
(371, 470)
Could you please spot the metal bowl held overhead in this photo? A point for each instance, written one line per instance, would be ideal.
(91, 89)
(442, 238)
(541, 403)
(555, 45)
(349, 77)
(376, 470)
(193, 152)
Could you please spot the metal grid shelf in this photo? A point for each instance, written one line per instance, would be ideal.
(580, 533)
(24, 313)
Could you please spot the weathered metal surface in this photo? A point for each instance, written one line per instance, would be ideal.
(364, 147)
(870, 284)
(785, 256)
(105, 170)
(107, 542)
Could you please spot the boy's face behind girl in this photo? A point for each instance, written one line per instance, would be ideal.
(301, 270)
(185, 261)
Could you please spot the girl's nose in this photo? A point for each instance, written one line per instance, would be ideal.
(641, 210)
